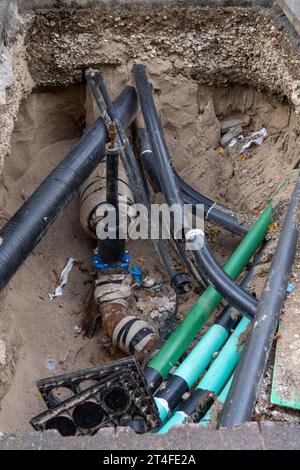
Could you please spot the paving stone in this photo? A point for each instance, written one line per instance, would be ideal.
(280, 437)
(249, 436)
(245, 437)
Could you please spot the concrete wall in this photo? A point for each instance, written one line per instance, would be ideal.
(132, 4)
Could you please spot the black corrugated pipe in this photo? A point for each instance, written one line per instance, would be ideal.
(209, 269)
(191, 196)
(244, 390)
(26, 228)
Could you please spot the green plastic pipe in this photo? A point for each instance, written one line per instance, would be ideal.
(184, 334)
(214, 380)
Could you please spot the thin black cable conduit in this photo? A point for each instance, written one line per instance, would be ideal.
(244, 390)
(207, 266)
(190, 195)
(26, 228)
(145, 150)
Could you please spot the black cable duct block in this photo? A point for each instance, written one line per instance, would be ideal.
(113, 394)
(26, 228)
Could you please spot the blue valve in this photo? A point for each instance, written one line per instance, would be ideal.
(99, 264)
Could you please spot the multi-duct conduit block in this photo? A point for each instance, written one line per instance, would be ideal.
(109, 395)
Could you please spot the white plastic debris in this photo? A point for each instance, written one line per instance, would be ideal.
(234, 142)
(77, 329)
(158, 305)
(148, 282)
(2, 352)
(63, 278)
(257, 138)
(51, 364)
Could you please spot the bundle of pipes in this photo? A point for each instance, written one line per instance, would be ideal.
(221, 285)
(213, 381)
(189, 371)
(119, 181)
(179, 341)
(245, 386)
(108, 189)
(215, 213)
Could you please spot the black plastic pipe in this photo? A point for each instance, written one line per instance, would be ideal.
(112, 248)
(180, 281)
(190, 195)
(181, 381)
(145, 151)
(209, 269)
(26, 228)
(234, 294)
(244, 390)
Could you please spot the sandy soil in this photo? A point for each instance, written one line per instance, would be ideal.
(45, 327)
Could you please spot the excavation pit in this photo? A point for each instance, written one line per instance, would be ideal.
(207, 66)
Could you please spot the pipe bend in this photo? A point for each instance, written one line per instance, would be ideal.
(208, 267)
(219, 279)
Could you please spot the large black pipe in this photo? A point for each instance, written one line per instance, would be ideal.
(244, 390)
(26, 228)
(208, 268)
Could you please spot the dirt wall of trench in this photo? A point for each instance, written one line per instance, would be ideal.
(205, 64)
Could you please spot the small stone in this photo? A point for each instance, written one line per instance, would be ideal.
(230, 135)
(2, 352)
(148, 282)
(229, 123)
(77, 329)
